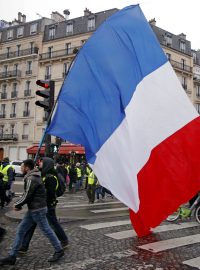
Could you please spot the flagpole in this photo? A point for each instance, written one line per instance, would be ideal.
(50, 115)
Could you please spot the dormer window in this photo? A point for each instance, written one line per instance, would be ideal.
(20, 32)
(33, 29)
(182, 46)
(10, 34)
(91, 23)
(52, 32)
(69, 28)
(168, 39)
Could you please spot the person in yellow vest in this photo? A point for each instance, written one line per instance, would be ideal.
(8, 177)
(92, 180)
(87, 172)
(79, 176)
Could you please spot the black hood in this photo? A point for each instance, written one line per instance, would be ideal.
(48, 165)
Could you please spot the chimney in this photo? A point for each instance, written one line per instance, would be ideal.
(66, 12)
(153, 21)
(182, 36)
(19, 16)
(87, 12)
(23, 18)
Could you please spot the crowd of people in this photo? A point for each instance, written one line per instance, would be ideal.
(41, 184)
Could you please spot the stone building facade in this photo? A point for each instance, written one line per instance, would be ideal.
(44, 49)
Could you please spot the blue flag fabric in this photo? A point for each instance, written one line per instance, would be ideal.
(103, 79)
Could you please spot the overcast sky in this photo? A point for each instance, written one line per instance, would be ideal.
(175, 16)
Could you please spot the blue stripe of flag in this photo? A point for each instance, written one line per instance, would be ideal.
(103, 79)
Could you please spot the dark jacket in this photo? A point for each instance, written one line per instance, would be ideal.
(34, 191)
(50, 182)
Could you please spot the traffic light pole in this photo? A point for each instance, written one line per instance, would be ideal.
(50, 115)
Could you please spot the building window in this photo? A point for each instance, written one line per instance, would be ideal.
(5, 70)
(168, 40)
(91, 24)
(198, 90)
(50, 51)
(4, 91)
(197, 105)
(52, 32)
(18, 49)
(69, 29)
(65, 68)
(12, 129)
(29, 68)
(8, 52)
(20, 32)
(48, 73)
(168, 56)
(10, 34)
(15, 69)
(26, 109)
(27, 91)
(182, 46)
(13, 110)
(183, 81)
(68, 48)
(14, 91)
(33, 29)
(194, 55)
(183, 63)
(25, 132)
(1, 130)
(3, 111)
(0, 35)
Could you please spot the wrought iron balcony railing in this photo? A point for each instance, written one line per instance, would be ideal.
(8, 137)
(10, 74)
(19, 53)
(27, 93)
(14, 94)
(60, 53)
(181, 66)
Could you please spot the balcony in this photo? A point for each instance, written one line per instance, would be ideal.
(48, 77)
(12, 115)
(59, 54)
(20, 53)
(28, 72)
(196, 79)
(27, 93)
(26, 113)
(2, 115)
(3, 95)
(180, 66)
(24, 137)
(8, 137)
(10, 75)
(14, 94)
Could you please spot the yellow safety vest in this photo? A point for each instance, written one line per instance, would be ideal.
(67, 168)
(91, 177)
(43, 178)
(79, 174)
(5, 172)
(88, 170)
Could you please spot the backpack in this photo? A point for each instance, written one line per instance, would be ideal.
(60, 190)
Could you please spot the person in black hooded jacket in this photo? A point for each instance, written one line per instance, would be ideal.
(49, 176)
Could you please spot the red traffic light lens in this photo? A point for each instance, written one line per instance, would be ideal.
(42, 84)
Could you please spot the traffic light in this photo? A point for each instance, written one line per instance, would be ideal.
(54, 148)
(47, 93)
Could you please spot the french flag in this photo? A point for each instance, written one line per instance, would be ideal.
(123, 102)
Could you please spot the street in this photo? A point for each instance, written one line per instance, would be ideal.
(101, 237)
